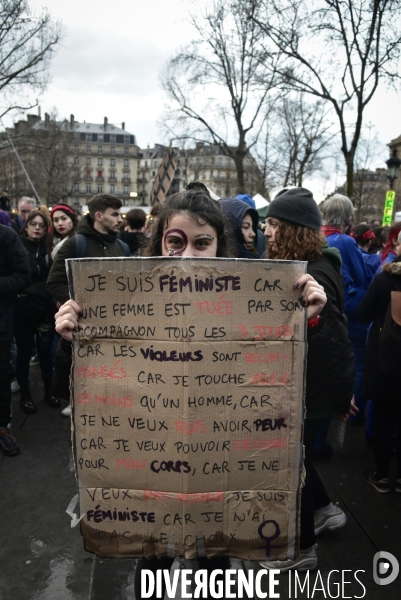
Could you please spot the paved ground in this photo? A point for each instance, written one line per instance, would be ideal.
(42, 558)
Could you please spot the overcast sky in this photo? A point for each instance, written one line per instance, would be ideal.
(110, 61)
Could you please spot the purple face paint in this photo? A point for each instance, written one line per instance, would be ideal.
(170, 251)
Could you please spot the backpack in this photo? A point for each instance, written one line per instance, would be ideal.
(80, 246)
(390, 335)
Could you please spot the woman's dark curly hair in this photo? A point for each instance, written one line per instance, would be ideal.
(201, 208)
(296, 242)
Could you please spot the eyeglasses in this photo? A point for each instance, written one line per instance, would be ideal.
(25, 210)
(34, 224)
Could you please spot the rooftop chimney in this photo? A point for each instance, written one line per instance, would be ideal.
(123, 125)
(105, 123)
(47, 119)
(72, 121)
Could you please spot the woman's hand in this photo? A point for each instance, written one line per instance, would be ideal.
(353, 411)
(312, 296)
(67, 319)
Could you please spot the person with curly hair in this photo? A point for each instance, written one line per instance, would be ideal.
(292, 231)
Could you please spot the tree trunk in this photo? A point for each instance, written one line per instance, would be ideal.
(349, 159)
(239, 164)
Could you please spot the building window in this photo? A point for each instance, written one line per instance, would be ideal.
(76, 160)
(112, 150)
(112, 189)
(76, 135)
(126, 190)
(100, 162)
(220, 161)
(100, 173)
(198, 161)
(76, 173)
(76, 188)
(76, 201)
(88, 188)
(100, 149)
(89, 149)
(99, 189)
(88, 160)
(126, 162)
(76, 149)
(153, 173)
(126, 150)
(112, 162)
(88, 174)
(113, 139)
(100, 138)
(88, 137)
(126, 139)
(125, 178)
(112, 174)
(211, 174)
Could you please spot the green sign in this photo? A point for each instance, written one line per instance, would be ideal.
(388, 208)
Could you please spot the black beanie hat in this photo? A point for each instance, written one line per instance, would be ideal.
(295, 205)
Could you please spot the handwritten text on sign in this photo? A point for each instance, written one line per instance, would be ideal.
(188, 405)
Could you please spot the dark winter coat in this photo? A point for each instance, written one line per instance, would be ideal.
(98, 245)
(34, 303)
(330, 366)
(235, 211)
(135, 240)
(14, 277)
(377, 384)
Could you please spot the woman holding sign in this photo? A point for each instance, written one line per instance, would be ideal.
(292, 231)
(191, 224)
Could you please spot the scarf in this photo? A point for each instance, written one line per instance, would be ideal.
(329, 230)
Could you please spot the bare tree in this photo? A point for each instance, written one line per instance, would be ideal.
(27, 43)
(336, 50)
(216, 83)
(47, 151)
(295, 141)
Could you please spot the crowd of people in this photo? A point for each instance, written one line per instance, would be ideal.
(352, 283)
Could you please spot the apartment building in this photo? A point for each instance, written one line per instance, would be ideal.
(70, 161)
(204, 162)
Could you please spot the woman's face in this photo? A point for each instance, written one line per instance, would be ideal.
(62, 223)
(185, 237)
(271, 232)
(35, 229)
(248, 231)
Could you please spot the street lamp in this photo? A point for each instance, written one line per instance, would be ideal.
(393, 164)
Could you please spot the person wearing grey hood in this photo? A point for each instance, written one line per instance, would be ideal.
(243, 221)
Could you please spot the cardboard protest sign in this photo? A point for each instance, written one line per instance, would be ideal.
(188, 385)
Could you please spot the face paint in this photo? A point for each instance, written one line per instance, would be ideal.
(204, 235)
(171, 251)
